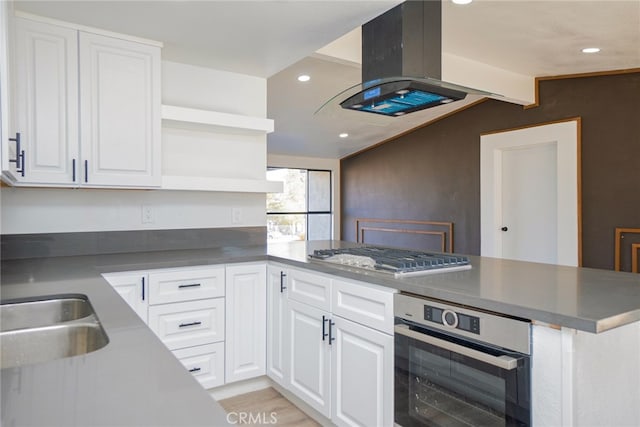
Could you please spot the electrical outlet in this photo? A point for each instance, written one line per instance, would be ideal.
(147, 214)
(236, 215)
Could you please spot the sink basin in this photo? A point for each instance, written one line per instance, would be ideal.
(48, 328)
(34, 313)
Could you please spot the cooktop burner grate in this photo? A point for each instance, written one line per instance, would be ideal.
(401, 262)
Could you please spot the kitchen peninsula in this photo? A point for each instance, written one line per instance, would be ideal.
(586, 324)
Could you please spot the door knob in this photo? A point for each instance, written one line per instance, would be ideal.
(504, 229)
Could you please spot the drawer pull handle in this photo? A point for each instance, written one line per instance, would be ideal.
(192, 285)
(194, 370)
(185, 325)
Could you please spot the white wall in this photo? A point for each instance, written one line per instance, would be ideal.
(38, 210)
(315, 163)
(205, 153)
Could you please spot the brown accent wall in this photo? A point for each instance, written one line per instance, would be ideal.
(433, 173)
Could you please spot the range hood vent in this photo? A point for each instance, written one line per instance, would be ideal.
(402, 63)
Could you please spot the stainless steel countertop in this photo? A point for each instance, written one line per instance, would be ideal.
(135, 380)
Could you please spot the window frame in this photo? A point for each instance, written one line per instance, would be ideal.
(307, 212)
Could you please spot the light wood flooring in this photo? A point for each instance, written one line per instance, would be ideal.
(260, 405)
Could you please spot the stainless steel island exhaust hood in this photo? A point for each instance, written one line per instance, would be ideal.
(402, 63)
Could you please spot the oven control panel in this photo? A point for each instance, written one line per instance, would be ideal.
(452, 319)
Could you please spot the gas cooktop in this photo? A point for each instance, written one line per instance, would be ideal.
(400, 262)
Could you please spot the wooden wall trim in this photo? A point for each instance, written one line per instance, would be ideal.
(618, 244)
(442, 234)
(537, 80)
(635, 248)
(448, 225)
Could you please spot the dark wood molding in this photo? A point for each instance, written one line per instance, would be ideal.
(620, 231)
(537, 80)
(444, 235)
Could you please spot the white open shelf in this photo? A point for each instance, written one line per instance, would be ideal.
(200, 183)
(186, 116)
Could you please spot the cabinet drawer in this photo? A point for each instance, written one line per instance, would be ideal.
(205, 362)
(190, 323)
(186, 284)
(309, 288)
(365, 304)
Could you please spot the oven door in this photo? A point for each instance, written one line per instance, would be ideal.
(445, 380)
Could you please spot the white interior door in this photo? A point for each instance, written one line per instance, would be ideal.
(529, 194)
(529, 203)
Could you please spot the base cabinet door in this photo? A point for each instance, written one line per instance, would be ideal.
(132, 287)
(310, 356)
(277, 342)
(246, 342)
(362, 386)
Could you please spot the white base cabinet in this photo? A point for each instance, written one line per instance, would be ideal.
(185, 308)
(310, 356)
(205, 362)
(342, 368)
(133, 288)
(277, 308)
(362, 387)
(246, 299)
(185, 324)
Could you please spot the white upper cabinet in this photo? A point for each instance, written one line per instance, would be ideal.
(120, 111)
(86, 106)
(45, 103)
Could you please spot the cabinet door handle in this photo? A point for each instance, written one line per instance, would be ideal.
(324, 334)
(19, 160)
(282, 286)
(191, 285)
(184, 325)
(142, 288)
(331, 337)
(86, 171)
(73, 170)
(194, 370)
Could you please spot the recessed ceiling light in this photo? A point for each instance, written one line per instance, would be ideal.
(591, 50)
(461, 1)
(343, 135)
(304, 78)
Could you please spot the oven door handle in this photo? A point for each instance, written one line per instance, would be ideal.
(504, 362)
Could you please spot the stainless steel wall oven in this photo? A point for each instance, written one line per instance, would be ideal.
(456, 366)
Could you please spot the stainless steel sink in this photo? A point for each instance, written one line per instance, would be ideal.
(31, 314)
(48, 328)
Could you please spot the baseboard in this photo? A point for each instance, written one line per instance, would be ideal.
(240, 387)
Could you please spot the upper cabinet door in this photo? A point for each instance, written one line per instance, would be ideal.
(46, 102)
(120, 110)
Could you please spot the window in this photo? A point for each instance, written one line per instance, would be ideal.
(303, 210)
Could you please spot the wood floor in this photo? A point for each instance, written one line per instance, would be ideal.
(265, 407)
